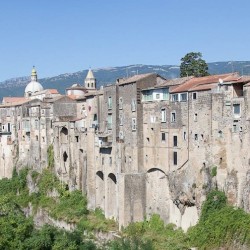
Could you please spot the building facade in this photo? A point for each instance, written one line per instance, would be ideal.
(141, 146)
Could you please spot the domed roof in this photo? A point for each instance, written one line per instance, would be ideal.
(34, 85)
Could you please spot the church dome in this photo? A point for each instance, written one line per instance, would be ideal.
(34, 85)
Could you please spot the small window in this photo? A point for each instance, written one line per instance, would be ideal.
(121, 135)
(120, 103)
(194, 96)
(133, 105)
(175, 97)
(102, 160)
(196, 137)
(234, 128)
(8, 128)
(77, 138)
(236, 109)
(110, 161)
(173, 117)
(184, 97)
(184, 135)
(163, 115)
(175, 142)
(163, 137)
(121, 119)
(109, 121)
(175, 158)
(110, 102)
(133, 124)
(195, 117)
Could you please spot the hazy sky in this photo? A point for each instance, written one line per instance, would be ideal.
(59, 36)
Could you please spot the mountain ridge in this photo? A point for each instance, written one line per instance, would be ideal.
(108, 75)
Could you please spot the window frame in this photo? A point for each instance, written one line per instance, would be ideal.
(173, 117)
(163, 115)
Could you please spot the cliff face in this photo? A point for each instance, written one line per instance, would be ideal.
(136, 150)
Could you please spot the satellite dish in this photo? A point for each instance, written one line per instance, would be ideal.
(220, 81)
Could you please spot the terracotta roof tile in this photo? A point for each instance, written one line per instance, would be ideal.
(53, 91)
(13, 99)
(206, 80)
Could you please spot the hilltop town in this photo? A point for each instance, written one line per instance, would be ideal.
(141, 146)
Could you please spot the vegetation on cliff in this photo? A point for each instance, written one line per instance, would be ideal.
(220, 225)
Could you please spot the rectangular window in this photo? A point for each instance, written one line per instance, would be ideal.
(236, 109)
(102, 160)
(196, 137)
(110, 102)
(133, 105)
(121, 135)
(234, 128)
(163, 137)
(173, 117)
(163, 115)
(183, 97)
(110, 161)
(175, 142)
(175, 158)
(194, 96)
(148, 95)
(195, 117)
(120, 103)
(165, 94)
(121, 119)
(133, 124)
(175, 97)
(109, 121)
(184, 135)
(8, 129)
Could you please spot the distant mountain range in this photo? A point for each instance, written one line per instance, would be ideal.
(104, 76)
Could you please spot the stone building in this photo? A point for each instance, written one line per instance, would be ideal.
(140, 146)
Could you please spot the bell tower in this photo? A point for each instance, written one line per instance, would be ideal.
(90, 81)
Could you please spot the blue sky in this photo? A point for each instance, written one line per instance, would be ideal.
(59, 36)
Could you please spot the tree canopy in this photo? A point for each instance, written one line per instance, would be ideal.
(192, 64)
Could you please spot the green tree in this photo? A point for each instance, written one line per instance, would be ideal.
(192, 64)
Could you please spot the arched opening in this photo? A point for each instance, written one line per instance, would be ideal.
(157, 193)
(100, 190)
(64, 135)
(111, 208)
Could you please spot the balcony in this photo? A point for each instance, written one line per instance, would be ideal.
(105, 141)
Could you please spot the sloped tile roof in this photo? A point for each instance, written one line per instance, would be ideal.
(206, 80)
(134, 78)
(14, 99)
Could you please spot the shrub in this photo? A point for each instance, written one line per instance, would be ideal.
(214, 171)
